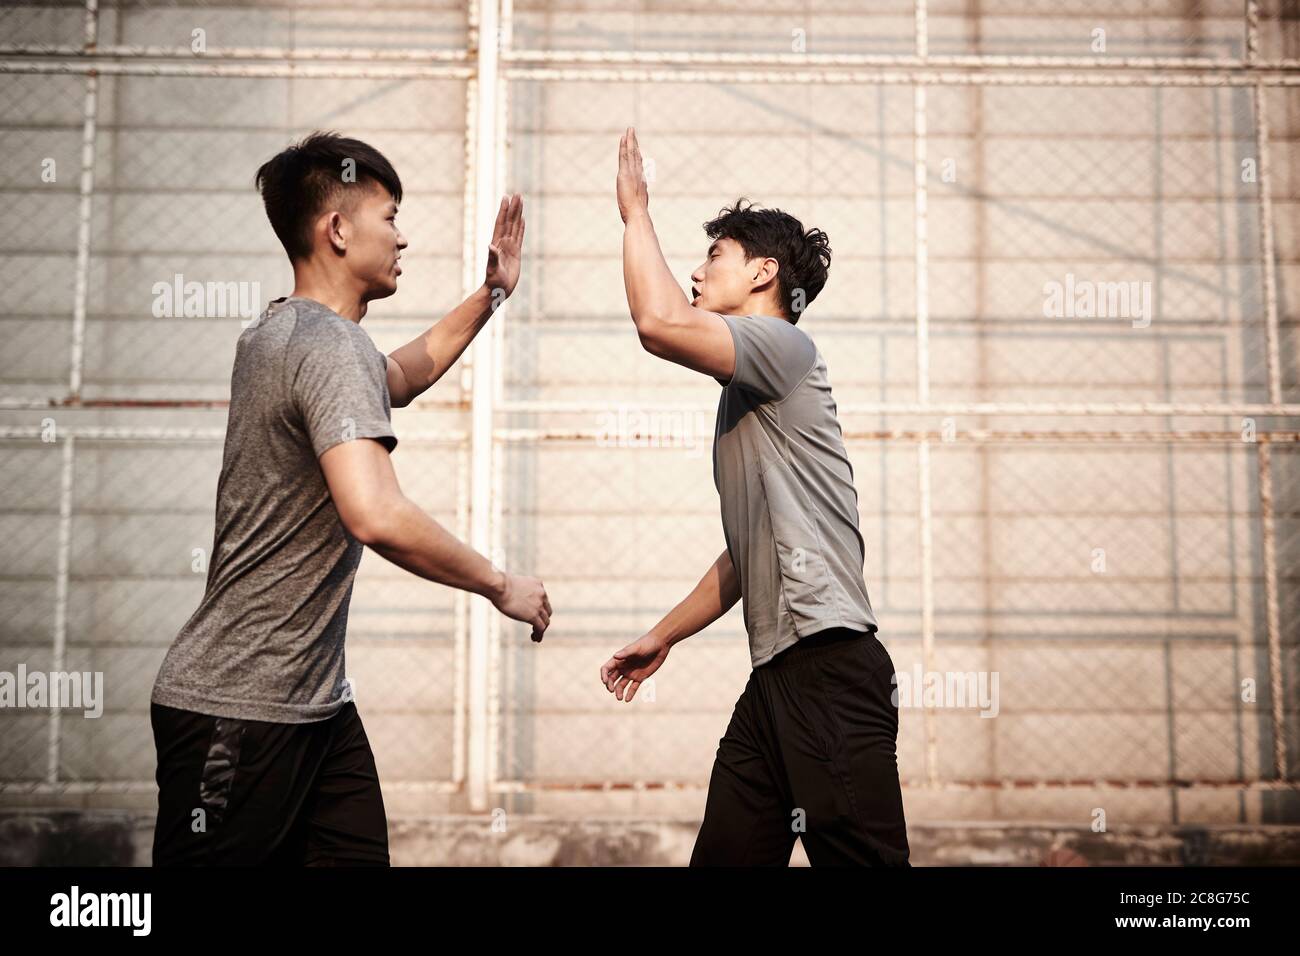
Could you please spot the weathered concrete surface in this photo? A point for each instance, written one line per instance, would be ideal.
(63, 838)
(69, 838)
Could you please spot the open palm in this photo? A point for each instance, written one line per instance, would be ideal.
(505, 251)
(630, 185)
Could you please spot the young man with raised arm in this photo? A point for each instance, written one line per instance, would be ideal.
(262, 757)
(810, 751)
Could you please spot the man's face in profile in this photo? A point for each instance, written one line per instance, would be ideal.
(722, 283)
(374, 241)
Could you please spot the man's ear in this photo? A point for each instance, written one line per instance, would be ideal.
(336, 231)
(765, 271)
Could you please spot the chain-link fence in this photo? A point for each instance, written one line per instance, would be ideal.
(130, 175)
(1060, 325)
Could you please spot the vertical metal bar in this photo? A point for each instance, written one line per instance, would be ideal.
(498, 451)
(460, 643)
(58, 662)
(505, 33)
(927, 607)
(922, 248)
(923, 388)
(86, 188)
(922, 29)
(1272, 350)
(495, 659)
(1252, 32)
(469, 206)
(482, 412)
(919, 143)
(1264, 456)
(81, 285)
(1264, 459)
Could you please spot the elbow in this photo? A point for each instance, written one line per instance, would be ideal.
(365, 530)
(371, 526)
(400, 398)
(650, 331)
(659, 324)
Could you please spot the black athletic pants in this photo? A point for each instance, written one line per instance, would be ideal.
(810, 754)
(251, 792)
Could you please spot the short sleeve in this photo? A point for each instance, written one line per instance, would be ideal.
(340, 388)
(772, 356)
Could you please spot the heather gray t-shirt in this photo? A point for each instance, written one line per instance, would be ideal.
(789, 507)
(266, 642)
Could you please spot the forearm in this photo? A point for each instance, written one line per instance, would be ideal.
(426, 358)
(413, 540)
(715, 595)
(653, 295)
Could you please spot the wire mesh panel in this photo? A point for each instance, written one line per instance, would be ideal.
(1075, 28)
(1114, 582)
(139, 541)
(148, 190)
(40, 133)
(1005, 253)
(1094, 239)
(1060, 328)
(378, 27)
(620, 534)
(49, 23)
(163, 219)
(1282, 111)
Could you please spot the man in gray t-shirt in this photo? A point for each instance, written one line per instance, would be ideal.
(789, 507)
(262, 756)
(810, 751)
(266, 642)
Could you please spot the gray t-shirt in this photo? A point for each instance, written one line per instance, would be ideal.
(789, 507)
(266, 642)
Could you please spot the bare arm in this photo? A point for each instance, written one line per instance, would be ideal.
(419, 363)
(666, 323)
(715, 595)
(415, 366)
(374, 510)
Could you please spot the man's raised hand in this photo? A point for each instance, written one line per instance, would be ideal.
(505, 252)
(633, 195)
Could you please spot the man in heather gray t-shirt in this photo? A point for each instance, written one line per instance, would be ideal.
(266, 642)
(789, 506)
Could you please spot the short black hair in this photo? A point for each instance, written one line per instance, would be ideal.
(804, 258)
(298, 184)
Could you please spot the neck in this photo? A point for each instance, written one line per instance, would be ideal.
(338, 292)
(759, 305)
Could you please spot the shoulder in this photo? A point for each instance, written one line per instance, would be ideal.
(768, 327)
(313, 317)
(319, 329)
(772, 335)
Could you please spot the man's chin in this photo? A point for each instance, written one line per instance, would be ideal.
(382, 290)
(707, 306)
